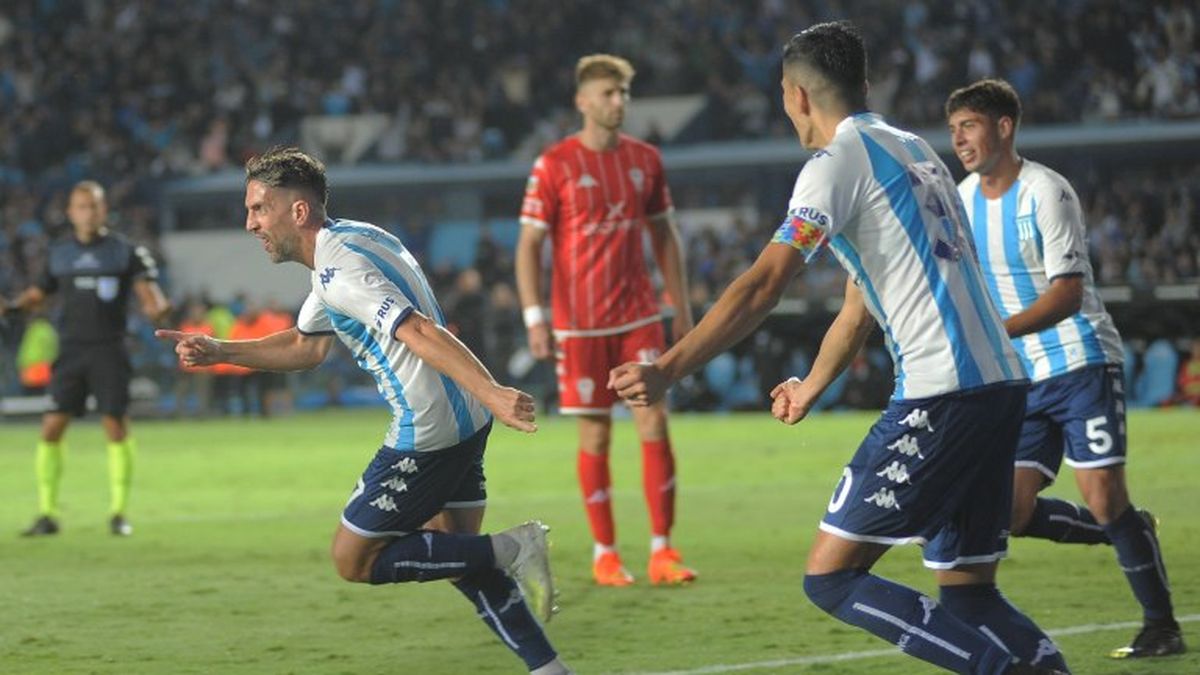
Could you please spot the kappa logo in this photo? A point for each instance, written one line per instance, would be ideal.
(586, 181)
(395, 484)
(927, 605)
(896, 472)
(1064, 196)
(385, 503)
(1045, 648)
(907, 445)
(327, 275)
(597, 497)
(917, 419)
(406, 465)
(884, 499)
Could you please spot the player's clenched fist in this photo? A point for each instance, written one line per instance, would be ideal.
(194, 349)
(513, 407)
(789, 401)
(640, 384)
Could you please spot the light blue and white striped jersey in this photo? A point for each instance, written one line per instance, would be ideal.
(886, 205)
(364, 284)
(1033, 233)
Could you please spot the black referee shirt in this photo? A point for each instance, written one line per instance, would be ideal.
(94, 280)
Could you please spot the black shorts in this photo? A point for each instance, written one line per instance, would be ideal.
(102, 370)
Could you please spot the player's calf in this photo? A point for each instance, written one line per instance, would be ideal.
(904, 617)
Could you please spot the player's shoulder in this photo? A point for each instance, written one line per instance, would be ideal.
(638, 145)
(558, 151)
(967, 186)
(1046, 183)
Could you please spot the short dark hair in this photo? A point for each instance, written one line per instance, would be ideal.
(993, 97)
(285, 167)
(835, 51)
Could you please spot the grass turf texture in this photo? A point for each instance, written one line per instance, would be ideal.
(228, 572)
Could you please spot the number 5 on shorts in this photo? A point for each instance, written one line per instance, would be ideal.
(1099, 440)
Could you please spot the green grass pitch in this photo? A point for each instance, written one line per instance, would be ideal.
(228, 570)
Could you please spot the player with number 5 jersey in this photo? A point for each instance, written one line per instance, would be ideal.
(1027, 225)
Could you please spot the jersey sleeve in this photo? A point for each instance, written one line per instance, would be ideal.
(359, 291)
(1059, 219)
(817, 210)
(539, 208)
(658, 197)
(312, 319)
(142, 264)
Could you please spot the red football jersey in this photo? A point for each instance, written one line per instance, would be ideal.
(595, 206)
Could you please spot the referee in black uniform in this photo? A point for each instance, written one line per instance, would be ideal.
(93, 270)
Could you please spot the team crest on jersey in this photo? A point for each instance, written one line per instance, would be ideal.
(1025, 227)
(638, 178)
(107, 288)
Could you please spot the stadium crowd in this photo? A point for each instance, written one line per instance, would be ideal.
(133, 97)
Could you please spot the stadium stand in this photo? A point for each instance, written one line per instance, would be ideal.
(203, 96)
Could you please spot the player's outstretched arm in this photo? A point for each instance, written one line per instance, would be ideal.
(739, 310)
(792, 398)
(286, 350)
(445, 353)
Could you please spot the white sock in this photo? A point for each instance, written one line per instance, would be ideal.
(659, 542)
(600, 549)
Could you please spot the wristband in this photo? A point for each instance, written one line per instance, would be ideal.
(534, 315)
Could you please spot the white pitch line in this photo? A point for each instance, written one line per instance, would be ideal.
(876, 653)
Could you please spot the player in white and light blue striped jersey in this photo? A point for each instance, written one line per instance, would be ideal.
(934, 468)
(416, 512)
(364, 285)
(1028, 228)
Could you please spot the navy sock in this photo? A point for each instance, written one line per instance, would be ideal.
(904, 617)
(1064, 522)
(982, 606)
(1141, 560)
(427, 555)
(503, 609)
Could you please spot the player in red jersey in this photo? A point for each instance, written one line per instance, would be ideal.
(593, 194)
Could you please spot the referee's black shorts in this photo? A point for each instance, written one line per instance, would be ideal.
(102, 370)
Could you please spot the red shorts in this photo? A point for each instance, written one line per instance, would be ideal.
(583, 364)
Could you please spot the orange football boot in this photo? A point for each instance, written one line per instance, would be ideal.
(667, 569)
(608, 570)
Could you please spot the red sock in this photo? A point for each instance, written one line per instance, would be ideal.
(596, 484)
(658, 482)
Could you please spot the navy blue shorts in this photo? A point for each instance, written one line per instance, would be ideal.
(935, 471)
(400, 491)
(1080, 414)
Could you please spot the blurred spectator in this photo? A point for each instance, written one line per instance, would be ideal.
(195, 382)
(1189, 376)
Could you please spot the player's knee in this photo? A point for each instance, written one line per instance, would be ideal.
(830, 591)
(1105, 494)
(351, 565)
(1022, 513)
